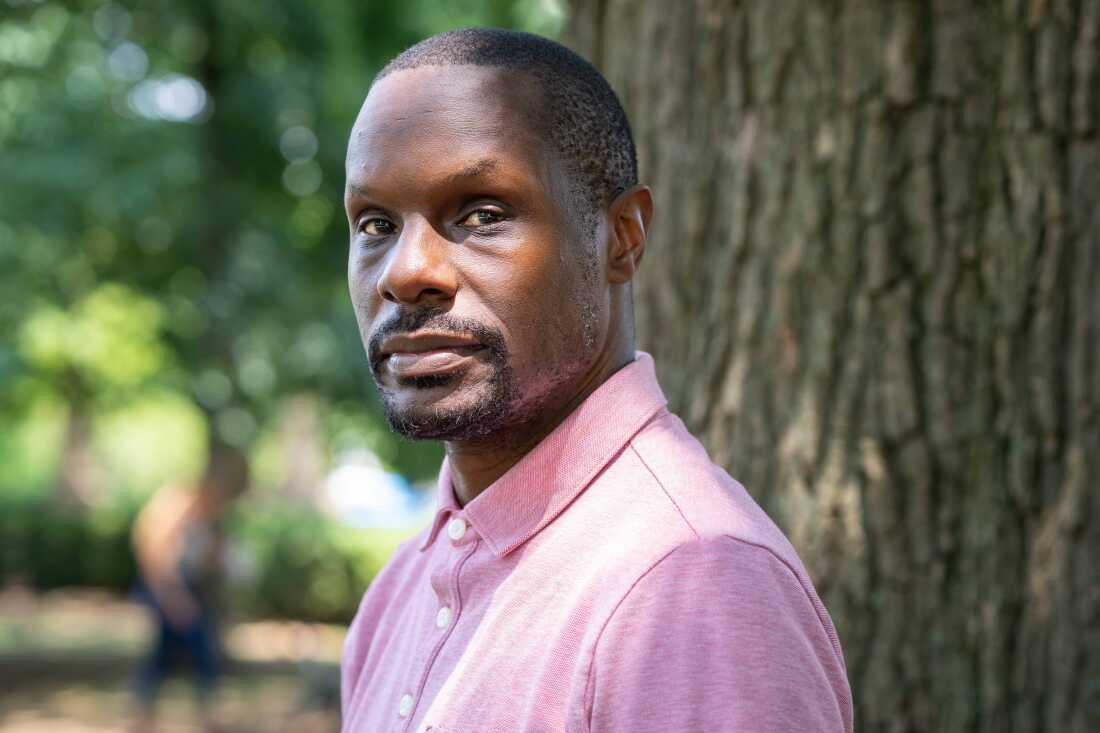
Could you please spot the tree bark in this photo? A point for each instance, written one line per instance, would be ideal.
(871, 289)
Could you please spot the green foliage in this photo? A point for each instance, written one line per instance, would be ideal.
(290, 564)
(50, 547)
(307, 567)
(172, 176)
(173, 264)
(110, 336)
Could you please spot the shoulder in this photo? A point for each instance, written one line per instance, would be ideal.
(721, 598)
(168, 507)
(722, 578)
(721, 624)
(706, 499)
(732, 533)
(662, 502)
(171, 499)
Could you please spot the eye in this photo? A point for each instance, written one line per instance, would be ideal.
(376, 227)
(482, 217)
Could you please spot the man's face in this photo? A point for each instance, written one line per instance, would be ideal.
(473, 269)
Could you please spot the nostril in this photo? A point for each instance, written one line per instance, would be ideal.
(415, 295)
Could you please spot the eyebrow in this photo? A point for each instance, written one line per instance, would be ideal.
(358, 190)
(474, 170)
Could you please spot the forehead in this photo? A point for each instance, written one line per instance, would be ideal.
(431, 121)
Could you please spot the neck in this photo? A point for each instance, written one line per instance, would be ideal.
(476, 465)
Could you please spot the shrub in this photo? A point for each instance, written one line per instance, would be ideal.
(290, 563)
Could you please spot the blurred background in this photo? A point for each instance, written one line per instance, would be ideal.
(871, 290)
(173, 275)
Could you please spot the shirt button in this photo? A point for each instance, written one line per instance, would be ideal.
(406, 705)
(456, 529)
(443, 617)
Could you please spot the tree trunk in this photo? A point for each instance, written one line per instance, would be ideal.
(301, 439)
(871, 289)
(80, 478)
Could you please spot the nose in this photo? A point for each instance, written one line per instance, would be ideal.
(418, 271)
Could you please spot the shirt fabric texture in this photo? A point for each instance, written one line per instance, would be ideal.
(612, 580)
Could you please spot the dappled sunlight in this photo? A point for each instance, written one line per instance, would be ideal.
(71, 654)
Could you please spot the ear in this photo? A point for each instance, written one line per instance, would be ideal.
(629, 216)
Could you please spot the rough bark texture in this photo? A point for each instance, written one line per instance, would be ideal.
(872, 289)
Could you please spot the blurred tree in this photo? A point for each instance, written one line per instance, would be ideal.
(183, 163)
(879, 222)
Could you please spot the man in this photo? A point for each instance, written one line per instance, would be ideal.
(588, 568)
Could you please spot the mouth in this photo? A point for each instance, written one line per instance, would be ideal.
(427, 354)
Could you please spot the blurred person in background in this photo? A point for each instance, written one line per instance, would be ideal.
(179, 543)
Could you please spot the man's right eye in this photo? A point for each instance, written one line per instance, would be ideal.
(376, 227)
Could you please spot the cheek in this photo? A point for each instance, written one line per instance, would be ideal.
(539, 312)
(362, 285)
(365, 304)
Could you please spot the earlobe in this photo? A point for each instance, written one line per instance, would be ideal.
(630, 215)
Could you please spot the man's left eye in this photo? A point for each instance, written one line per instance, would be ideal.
(481, 218)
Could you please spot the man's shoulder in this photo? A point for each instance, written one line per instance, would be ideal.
(730, 541)
(663, 501)
(707, 500)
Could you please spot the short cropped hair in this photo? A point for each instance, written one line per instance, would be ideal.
(585, 122)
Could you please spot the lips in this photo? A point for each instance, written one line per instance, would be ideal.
(427, 354)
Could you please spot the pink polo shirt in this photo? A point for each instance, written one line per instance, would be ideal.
(613, 580)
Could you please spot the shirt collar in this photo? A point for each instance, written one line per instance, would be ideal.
(534, 491)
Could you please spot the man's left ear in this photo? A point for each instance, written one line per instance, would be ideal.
(629, 216)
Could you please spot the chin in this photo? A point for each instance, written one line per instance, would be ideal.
(433, 412)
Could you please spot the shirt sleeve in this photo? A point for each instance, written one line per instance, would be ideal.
(719, 635)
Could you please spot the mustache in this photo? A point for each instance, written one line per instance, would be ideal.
(410, 321)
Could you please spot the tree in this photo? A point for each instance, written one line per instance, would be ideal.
(872, 289)
(182, 163)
